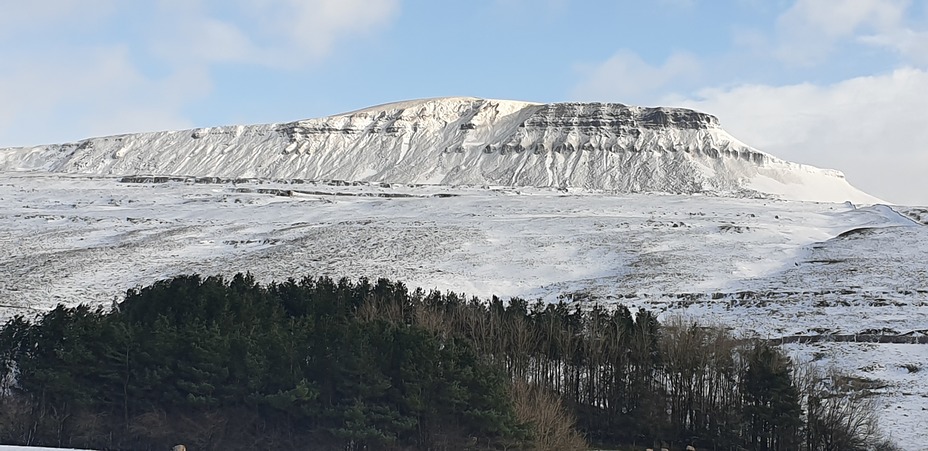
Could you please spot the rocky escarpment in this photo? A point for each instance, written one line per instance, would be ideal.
(599, 146)
(614, 127)
(590, 117)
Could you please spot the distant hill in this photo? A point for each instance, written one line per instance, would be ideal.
(465, 141)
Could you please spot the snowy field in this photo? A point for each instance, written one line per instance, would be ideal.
(765, 268)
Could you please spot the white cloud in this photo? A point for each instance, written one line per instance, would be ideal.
(57, 72)
(809, 30)
(314, 26)
(626, 78)
(20, 15)
(910, 44)
(871, 128)
(276, 33)
(838, 18)
(78, 93)
(186, 33)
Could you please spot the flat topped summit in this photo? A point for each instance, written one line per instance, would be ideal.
(445, 103)
(465, 140)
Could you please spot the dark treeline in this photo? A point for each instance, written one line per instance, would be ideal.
(323, 364)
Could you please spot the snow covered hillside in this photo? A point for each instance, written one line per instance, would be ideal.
(843, 284)
(593, 203)
(464, 141)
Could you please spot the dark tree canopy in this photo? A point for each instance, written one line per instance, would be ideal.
(325, 364)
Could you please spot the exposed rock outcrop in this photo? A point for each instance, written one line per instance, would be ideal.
(598, 146)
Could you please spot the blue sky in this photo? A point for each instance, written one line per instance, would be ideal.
(833, 83)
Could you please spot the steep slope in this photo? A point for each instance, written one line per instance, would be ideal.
(452, 141)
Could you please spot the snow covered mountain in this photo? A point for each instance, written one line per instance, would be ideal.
(466, 195)
(464, 141)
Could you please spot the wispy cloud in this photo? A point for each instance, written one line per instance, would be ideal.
(90, 91)
(809, 30)
(67, 14)
(910, 44)
(870, 127)
(627, 78)
(85, 65)
(274, 33)
(311, 28)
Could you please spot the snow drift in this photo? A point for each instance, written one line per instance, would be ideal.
(464, 141)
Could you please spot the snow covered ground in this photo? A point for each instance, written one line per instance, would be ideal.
(767, 268)
(464, 141)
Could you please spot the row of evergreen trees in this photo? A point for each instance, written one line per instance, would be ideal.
(322, 364)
